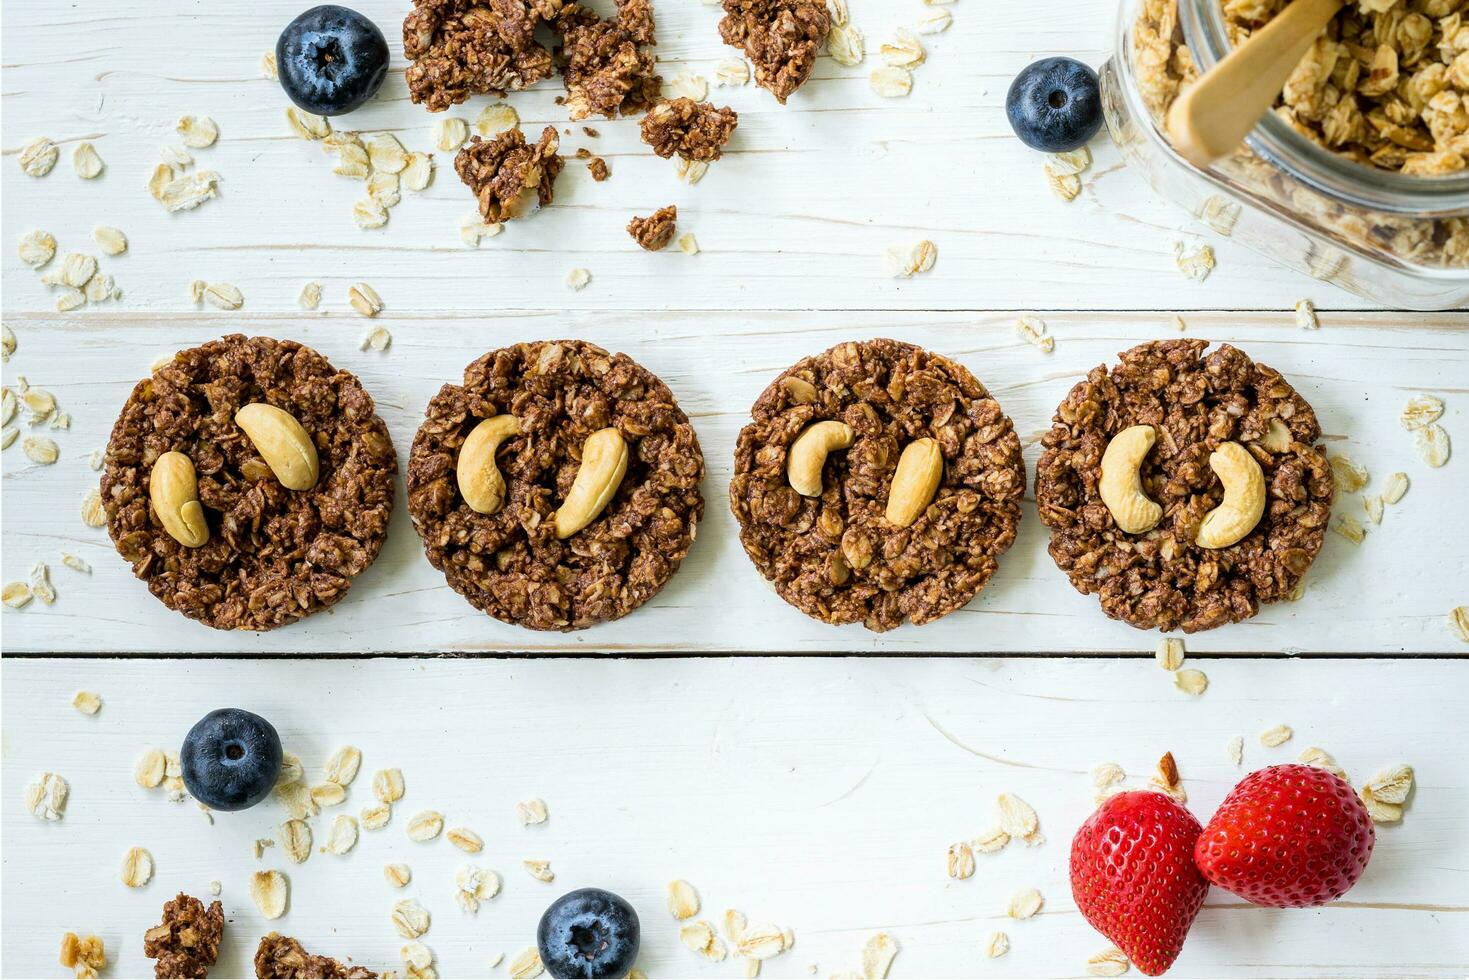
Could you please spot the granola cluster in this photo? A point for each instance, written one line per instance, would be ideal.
(696, 131)
(511, 564)
(273, 555)
(836, 557)
(507, 174)
(459, 48)
(186, 942)
(655, 231)
(284, 958)
(1161, 578)
(605, 63)
(1387, 85)
(780, 37)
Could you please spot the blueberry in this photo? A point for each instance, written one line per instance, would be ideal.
(1054, 105)
(231, 759)
(331, 60)
(588, 933)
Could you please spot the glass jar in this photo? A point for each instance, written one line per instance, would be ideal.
(1398, 239)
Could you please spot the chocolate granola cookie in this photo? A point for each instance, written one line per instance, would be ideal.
(1227, 508)
(459, 48)
(878, 482)
(558, 487)
(606, 63)
(284, 958)
(248, 482)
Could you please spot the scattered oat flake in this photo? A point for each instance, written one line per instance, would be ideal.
(310, 297)
(998, 945)
(1111, 962)
(473, 229)
(387, 785)
(1195, 263)
(369, 213)
(93, 513)
(686, 85)
(1067, 187)
(1380, 811)
(688, 244)
(1421, 410)
(731, 72)
(1350, 476)
(466, 840)
(1306, 317)
(1033, 330)
(890, 81)
(270, 891)
(577, 279)
(417, 957)
(960, 861)
(342, 836)
(40, 450)
(761, 941)
(904, 50)
(1107, 774)
(197, 132)
(531, 811)
(223, 295)
(308, 125)
(991, 840)
(496, 119)
(397, 875)
(734, 924)
(1459, 619)
(692, 171)
(878, 954)
(328, 794)
(846, 46)
(450, 133)
(525, 965)
(1432, 443)
(87, 702)
(1024, 904)
(189, 191)
(1350, 528)
(1373, 507)
(268, 68)
(1397, 486)
(410, 918)
(38, 157)
(1235, 749)
(539, 870)
(342, 767)
(1170, 653)
(376, 817)
(1276, 735)
(1391, 785)
(37, 248)
(425, 825)
(1191, 681)
(1321, 759)
(364, 299)
(137, 867)
(86, 162)
(935, 20)
(419, 173)
(1017, 817)
(45, 796)
(1070, 162)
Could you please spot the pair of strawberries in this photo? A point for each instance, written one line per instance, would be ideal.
(1288, 836)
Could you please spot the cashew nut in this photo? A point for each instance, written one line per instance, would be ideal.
(603, 465)
(282, 443)
(1121, 485)
(920, 468)
(174, 491)
(801, 391)
(1244, 497)
(480, 482)
(807, 455)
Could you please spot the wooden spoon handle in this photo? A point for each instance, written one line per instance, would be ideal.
(1216, 113)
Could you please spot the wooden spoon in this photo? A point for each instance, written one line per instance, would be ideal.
(1216, 113)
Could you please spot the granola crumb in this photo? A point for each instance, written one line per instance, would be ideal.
(696, 131)
(654, 232)
(507, 175)
(186, 942)
(782, 39)
(598, 168)
(284, 957)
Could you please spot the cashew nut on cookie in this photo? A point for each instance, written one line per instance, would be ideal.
(174, 492)
(603, 465)
(916, 480)
(480, 482)
(807, 455)
(1244, 497)
(282, 443)
(1121, 485)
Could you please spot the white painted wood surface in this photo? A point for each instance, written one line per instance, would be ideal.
(1392, 593)
(816, 794)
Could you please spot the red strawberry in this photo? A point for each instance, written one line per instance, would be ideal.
(1133, 876)
(1288, 836)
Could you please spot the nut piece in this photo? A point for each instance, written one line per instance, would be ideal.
(285, 446)
(807, 455)
(174, 492)
(1121, 486)
(920, 468)
(1244, 497)
(603, 465)
(480, 482)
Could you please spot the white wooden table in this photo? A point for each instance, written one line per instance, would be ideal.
(818, 793)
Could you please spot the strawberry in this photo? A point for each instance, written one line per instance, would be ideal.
(1133, 876)
(1288, 836)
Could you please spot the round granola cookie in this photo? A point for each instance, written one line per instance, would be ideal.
(878, 482)
(558, 487)
(233, 547)
(1199, 417)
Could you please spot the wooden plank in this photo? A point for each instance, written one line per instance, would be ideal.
(815, 794)
(797, 215)
(1391, 594)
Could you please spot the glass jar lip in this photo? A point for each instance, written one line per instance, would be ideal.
(1330, 173)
